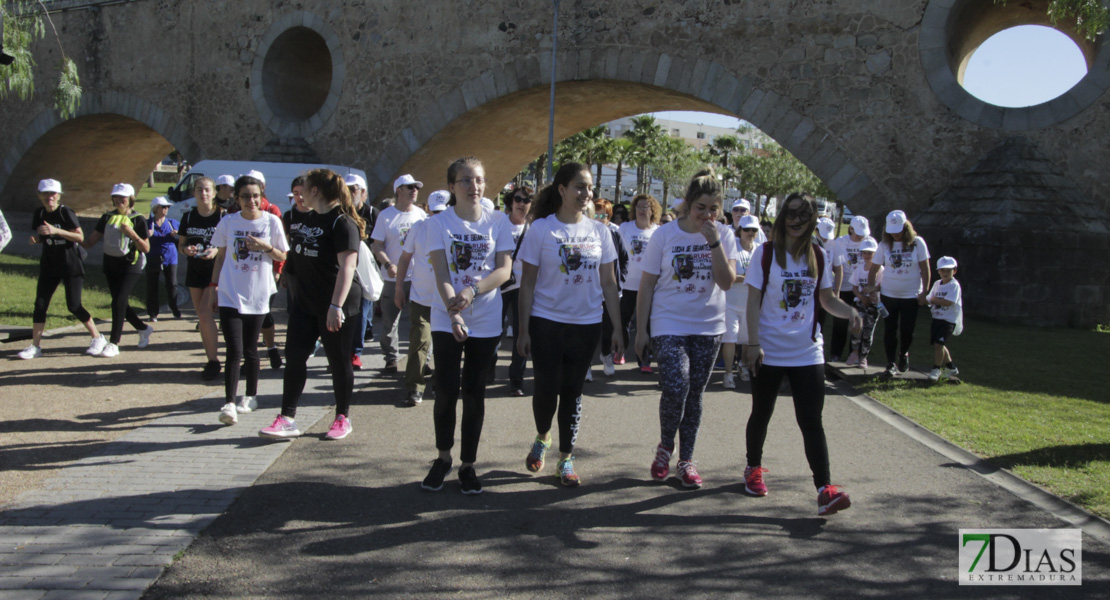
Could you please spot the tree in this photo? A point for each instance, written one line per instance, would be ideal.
(723, 148)
(1091, 16)
(646, 135)
(675, 163)
(620, 150)
(22, 25)
(775, 172)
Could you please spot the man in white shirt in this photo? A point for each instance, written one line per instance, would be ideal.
(847, 247)
(387, 239)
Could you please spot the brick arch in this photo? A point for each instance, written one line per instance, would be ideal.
(116, 136)
(509, 103)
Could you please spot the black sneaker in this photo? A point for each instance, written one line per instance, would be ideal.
(468, 479)
(390, 368)
(434, 481)
(275, 358)
(904, 362)
(211, 370)
(414, 398)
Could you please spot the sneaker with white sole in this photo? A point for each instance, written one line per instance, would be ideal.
(144, 336)
(661, 466)
(96, 346)
(281, 429)
(247, 404)
(853, 359)
(753, 481)
(946, 373)
(831, 500)
(744, 376)
(607, 365)
(934, 374)
(110, 350)
(730, 381)
(228, 414)
(469, 482)
(434, 481)
(688, 475)
(30, 352)
(340, 428)
(590, 375)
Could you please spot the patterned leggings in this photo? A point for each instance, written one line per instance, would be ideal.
(861, 342)
(685, 363)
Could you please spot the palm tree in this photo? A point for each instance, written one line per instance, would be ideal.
(620, 150)
(646, 134)
(723, 148)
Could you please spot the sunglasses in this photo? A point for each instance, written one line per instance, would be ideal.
(409, 186)
(750, 229)
(798, 214)
(601, 216)
(522, 199)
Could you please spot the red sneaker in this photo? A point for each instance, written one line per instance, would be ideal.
(356, 362)
(661, 466)
(753, 481)
(688, 474)
(831, 500)
(618, 359)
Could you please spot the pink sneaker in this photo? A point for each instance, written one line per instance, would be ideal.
(282, 428)
(618, 359)
(831, 500)
(853, 359)
(661, 467)
(688, 474)
(753, 481)
(340, 428)
(863, 363)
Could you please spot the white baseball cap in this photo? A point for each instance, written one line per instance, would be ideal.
(895, 221)
(354, 180)
(406, 179)
(50, 186)
(123, 189)
(869, 244)
(741, 203)
(676, 203)
(289, 195)
(160, 201)
(826, 229)
(861, 226)
(256, 174)
(946, 262)
(749, 222)
(437, 201)
(225, 180)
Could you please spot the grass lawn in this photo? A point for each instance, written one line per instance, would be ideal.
(19, 278)
(1034, 401)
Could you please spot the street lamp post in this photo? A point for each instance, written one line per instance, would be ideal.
(551, 111)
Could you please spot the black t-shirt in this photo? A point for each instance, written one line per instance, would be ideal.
(313, 262)
(198, 230)
(369, 214)
(293, 219)
(60, 257)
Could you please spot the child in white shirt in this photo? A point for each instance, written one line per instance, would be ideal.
(868, 304)
(946, 305)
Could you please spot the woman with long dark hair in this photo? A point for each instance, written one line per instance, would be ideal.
(569, 269)
(326, 303)
(787, 279)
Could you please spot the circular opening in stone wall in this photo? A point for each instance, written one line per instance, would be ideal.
(1024, 66)
(296, 74)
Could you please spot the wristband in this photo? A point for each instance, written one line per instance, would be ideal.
(474, 288)
(714, 244)
(339, 308)
(212, 285)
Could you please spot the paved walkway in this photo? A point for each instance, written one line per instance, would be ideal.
(348, 518)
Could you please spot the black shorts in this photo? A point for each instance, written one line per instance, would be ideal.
(939, 332)
(198, 272)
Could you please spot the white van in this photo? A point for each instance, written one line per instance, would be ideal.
(279, 176)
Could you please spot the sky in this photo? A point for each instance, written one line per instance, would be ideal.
(1022, 66)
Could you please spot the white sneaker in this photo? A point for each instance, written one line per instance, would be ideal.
(730, 381)
(144, 336)
(607, 365)
(946, 373)
(96, 346)
(227, 414)
(744, 376)
(30, 352)
(934, 374)
(110, 350)
(247, 404)
(590, 375)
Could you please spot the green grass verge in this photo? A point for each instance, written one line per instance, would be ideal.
(19, 279)
(1033, 401)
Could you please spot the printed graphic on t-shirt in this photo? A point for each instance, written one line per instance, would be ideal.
(693, 268)
(305, 238)
(638, 246)
(580, 258)
(469, 252)
(798, 289)
(901, 261)
(249, 260)
(403, 233)
(199, 236)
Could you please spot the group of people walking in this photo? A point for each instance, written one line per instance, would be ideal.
(694, 287)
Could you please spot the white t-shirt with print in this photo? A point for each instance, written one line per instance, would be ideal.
(788, 309)
(422, 289)
(848, 253)
(903, 273)
(391, 228)
(737, 296)
(686, 300)
(246, 276)
(946, 291)
(635, 242)
(471, 249)
(568, 285)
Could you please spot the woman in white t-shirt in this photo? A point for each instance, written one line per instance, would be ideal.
(636, 234)
(782, 311)
(568, 269)
(687, 266)
(248, 242)
(470, 248)
(904, 257)
(736, 298)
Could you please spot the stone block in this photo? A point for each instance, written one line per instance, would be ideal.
(749, 106)
(842, 177)
(624, 70)
(662, 70)
(726, 88)
(612, 60)
(411, 142)
(804, 128)
(697, 77)
(636, 68)
(708, 86)
(854, 188)
(452, 105)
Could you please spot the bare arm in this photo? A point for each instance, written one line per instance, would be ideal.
(348, 260)
(378, 248)
(926, 277)
(753, 353)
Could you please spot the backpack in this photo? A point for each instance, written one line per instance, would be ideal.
(769, 255)
(118, 245)
(367, 275)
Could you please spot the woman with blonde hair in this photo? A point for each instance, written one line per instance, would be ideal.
(788, 279)
(904, 258)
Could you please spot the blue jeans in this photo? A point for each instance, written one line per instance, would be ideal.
(363, 325)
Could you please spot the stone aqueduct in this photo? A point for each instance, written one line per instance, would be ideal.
(864, 92)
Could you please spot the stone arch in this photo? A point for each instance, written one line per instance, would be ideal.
(951, 30)
(44, 147)
(595, 86)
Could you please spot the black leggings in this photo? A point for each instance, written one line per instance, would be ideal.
(45, 291)
(169, 273)
(511, 317)
(241, 341)
(899, 323)
(300, 340)
(840, 327)
(808, 387)
(628, 311)
(121, 280)
(474, 356)
(561, 354)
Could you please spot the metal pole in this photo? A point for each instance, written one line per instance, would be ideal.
(551, 112)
